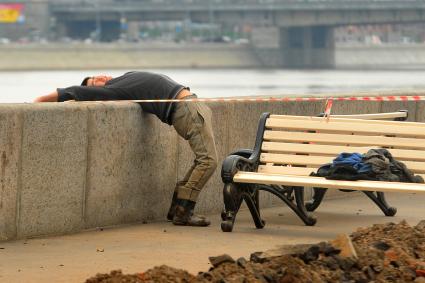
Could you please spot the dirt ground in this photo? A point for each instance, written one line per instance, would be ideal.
(391, 252)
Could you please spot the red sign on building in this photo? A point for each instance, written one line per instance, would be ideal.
(12, 13)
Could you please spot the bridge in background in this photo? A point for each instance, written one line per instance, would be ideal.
(301, 30)
(274, 12)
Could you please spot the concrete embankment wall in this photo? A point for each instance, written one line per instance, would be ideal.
(67, 167)
(133, 56)
(381, 56)
(115, 56)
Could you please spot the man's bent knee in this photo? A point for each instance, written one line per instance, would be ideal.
(207, 166)
(210, 164)
(213, 164)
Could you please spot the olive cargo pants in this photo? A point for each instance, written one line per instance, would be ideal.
(192, 121)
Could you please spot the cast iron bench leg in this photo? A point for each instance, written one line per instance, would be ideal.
(379, 200)
(252, 199)
(318, 195)
(232, 197)
(285, 194)
(309, 220)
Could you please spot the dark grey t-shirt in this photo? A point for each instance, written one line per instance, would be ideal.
(131, 86)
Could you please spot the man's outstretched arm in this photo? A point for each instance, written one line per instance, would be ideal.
(51, 97)
(81, 93)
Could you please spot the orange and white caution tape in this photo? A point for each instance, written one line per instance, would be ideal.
(328, 106)
(286, 99)
(383, 98)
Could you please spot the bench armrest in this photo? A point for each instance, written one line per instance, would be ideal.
(234, 163)
(244, 152)
(244, 159)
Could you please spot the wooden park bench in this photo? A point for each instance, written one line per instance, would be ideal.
(289, 148)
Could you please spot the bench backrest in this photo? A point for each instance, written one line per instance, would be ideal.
(298, 145)
(395, 116)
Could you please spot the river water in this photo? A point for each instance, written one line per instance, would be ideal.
(18, 87)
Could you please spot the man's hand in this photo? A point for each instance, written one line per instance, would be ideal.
(52, 97)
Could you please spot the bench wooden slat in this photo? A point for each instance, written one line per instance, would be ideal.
(314, 161)
(373, 116)
(286, 170)
(352, 119)
(299, 171)
(304, 181)
(318, 149)
(407, 143)
(335, 126)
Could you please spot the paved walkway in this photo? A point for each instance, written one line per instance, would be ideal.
(135, 248)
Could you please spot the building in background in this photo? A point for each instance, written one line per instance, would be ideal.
(381, 34)
(24, 20)
(54, 20)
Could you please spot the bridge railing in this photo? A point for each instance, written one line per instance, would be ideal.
(236, 4)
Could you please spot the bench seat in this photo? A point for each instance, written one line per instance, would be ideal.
(310, 181)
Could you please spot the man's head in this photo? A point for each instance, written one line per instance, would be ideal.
(96, 80)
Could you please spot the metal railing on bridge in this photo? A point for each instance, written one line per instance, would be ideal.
(242, 5)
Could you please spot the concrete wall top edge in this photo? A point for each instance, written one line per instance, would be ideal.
(67, 105)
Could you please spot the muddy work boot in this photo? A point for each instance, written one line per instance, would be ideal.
(184, 215)
(172, 210)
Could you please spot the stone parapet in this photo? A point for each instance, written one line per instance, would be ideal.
(75, 56)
